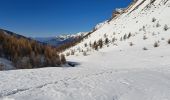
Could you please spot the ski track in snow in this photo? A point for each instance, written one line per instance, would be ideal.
(93, 82)
(13, 92)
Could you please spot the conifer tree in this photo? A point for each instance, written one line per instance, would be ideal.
(63, 59)
(100, 43)
(106, 40)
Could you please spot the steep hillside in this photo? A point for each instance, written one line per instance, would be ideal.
(9, 33)
(143, 23)
(26, 53)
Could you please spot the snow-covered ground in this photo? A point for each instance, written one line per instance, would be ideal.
(119, 71)
(5, 64)
(129, 74)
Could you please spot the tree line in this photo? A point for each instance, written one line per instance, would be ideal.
(25, 53)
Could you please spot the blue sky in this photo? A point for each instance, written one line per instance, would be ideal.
(44, 18)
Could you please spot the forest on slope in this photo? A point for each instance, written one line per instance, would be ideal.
(26, 53)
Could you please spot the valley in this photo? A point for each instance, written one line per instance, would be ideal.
(124, 58)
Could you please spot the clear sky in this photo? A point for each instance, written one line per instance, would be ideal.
(44, 18)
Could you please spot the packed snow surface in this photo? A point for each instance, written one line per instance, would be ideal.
(130, 74)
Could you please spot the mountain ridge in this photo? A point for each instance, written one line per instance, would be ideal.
(135, 19)
(60, 39)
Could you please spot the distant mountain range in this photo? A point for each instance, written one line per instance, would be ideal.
(53, 41)
(61, 39)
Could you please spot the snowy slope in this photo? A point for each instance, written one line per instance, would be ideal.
(5, 64)
(132, 74)
(115, 72)
(137, 21)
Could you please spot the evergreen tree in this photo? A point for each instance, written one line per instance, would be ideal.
(63, 59)
(100, 42)
(106, 40)
(95, 46)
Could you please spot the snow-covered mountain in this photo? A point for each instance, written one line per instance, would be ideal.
(142, 19)
(61, 39)
(133, 63)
